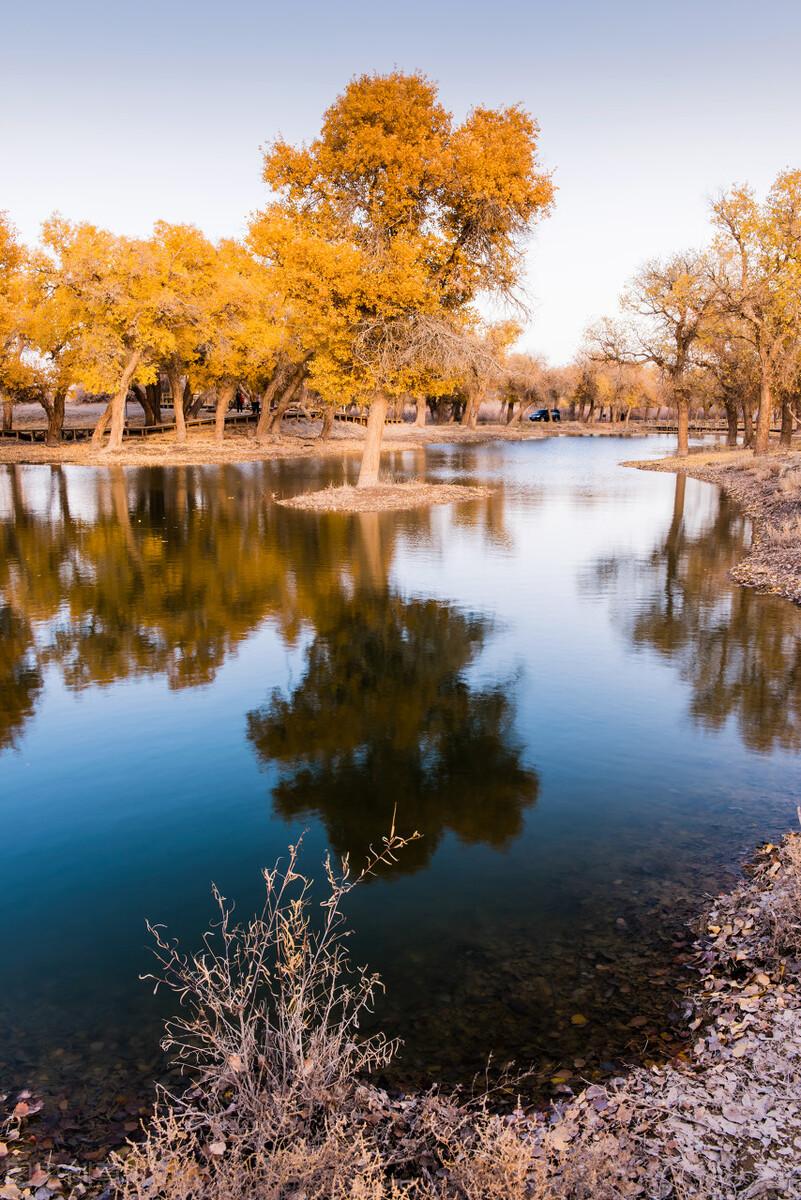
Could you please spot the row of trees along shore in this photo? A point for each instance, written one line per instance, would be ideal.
(361, 283)
(359, 280)
(720, 327)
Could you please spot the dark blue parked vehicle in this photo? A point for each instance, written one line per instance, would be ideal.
(546, 414)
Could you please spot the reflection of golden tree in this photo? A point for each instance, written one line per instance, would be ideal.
(20, 676)
(739, 651)
(384, 719)
(174, 569)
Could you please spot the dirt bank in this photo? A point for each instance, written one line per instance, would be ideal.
(769, 491)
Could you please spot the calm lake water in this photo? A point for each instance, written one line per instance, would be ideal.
(558, 686)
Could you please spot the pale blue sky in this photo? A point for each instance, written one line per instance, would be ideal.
(125, 112)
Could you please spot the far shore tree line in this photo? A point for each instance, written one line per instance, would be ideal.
(359, 286)
(718, 329)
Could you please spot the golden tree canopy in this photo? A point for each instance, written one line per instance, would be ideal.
(394, 218)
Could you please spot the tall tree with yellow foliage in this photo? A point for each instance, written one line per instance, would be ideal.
(135, 302)
(387, 228)
(243, 331)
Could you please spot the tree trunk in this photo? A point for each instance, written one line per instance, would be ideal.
(55, 417)
(731, 422)
(225, 394)
(264, 423)
(142, 397)
(118, 404)
(8, 414)
(153, 393)
(192, 404)
(765, 411)
(293, 387)
(470, 412)
(467, 412)
(683, 415)
(510, 411)
(328, 423)
(178, 393)
(420, 419)
(786, 435)
(371, 456)
(285, 383)
(748, 424)
(102, 424)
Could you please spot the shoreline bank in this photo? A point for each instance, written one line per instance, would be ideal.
(768, 489)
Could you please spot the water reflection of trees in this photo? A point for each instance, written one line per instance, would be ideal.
(20, 674)
(109, 575)
(739, 651)
(385, 720)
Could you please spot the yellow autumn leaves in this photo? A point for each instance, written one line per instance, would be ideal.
(365, 265)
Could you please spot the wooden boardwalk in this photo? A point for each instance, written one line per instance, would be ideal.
(84, 433)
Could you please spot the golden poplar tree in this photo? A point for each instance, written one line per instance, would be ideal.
(758, 278)
(386, 229)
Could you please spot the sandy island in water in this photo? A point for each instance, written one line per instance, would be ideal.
(383, 497)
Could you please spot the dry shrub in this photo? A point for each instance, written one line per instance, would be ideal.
(787, 532)
(269, 1038)
(498, 1164)
(790, 481)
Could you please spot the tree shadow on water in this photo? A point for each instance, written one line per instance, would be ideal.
(739, 652)
(385, 720)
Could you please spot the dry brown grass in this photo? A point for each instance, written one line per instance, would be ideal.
(784, 533)
(790, 481)
(298, 440)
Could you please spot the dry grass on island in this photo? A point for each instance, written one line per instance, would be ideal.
(384, 497)
(768, 489)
